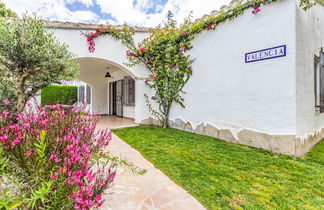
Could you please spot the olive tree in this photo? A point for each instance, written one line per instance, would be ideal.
(31, 58)
(4, 12)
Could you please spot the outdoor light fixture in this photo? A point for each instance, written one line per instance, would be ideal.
(107, 75)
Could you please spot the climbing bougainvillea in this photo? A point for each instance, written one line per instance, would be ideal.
(165, 53)
(90, 39)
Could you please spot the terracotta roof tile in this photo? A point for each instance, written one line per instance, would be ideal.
(85, 26)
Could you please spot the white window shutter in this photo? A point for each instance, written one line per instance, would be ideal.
(321, 72)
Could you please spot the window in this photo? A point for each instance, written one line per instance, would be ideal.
(319, 81)
(129, 91)
(81, 94)
(88, 94)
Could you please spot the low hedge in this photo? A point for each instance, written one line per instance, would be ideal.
(59, 94)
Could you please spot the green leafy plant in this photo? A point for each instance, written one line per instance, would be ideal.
(6, 13)
(3, 161)
(307, 4)
(40, 195)
(8, 200)
(59, 94)
(40, 146)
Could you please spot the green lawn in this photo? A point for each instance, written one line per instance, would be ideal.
(222, 175)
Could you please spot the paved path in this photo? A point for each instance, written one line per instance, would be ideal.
(150, 191)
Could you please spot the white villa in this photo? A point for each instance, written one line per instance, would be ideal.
(257, 80)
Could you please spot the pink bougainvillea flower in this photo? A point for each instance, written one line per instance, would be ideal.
(211, 26)
(5, 112)
(256, 10)
(153, 76)
(190, 71)
(128, 53)
(143, 50)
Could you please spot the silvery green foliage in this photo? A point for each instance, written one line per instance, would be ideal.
(4, 12)
(7, 90)
(31, 58)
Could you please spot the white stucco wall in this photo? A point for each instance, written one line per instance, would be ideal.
(227, 92)
(310, 38)
(107, 48)
(112, 52)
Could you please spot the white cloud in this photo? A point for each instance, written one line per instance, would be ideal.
(121, 10)
(51, 10)
(85, 2)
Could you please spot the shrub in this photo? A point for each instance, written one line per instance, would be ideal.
(57, 158)
(32, 57)
(59, 94)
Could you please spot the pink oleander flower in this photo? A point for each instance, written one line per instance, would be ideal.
(16, 141)
(54, 158)
(72, 140)
(6, 101)
(98, 198)
(5, 112)
(54, 176)
(29, 153)
(3, 139)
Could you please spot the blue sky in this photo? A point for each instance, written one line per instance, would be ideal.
(133, 12)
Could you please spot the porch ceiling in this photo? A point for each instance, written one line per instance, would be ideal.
(93, 70)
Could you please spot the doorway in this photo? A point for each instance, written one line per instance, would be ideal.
(116, 98)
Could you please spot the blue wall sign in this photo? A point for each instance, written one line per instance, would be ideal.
(269, 53)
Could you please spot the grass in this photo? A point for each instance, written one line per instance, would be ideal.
(222, 175)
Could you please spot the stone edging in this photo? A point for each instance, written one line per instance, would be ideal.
(282, 144)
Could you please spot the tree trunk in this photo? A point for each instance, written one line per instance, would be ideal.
(166, 117)
(22, 97)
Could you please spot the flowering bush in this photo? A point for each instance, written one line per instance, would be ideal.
(57, 158)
